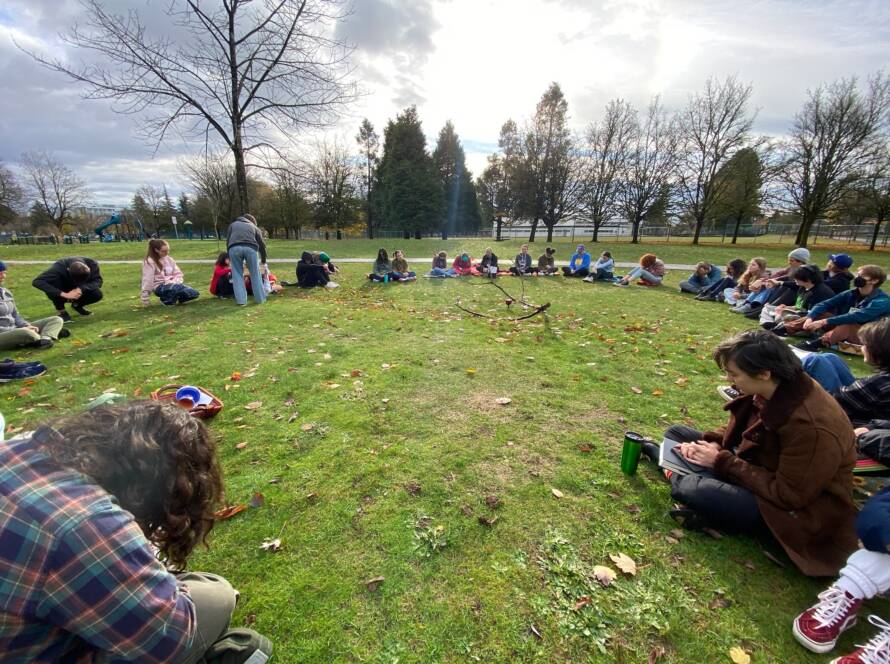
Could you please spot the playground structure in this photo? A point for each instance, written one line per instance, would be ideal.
(129, 229)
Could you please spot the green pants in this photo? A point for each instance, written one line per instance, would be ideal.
(215, 643)
(21, 336)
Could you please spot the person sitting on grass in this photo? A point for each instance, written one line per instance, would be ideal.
(162, 276)
(126, 493)
(763, 288)
(463, 265)
(312, 272)
(221, 282)
(603, 269)
(650, 272)
(382, 266)
(270, 282)
(837, 275)
(546, 263)
(839, 318)
(579, 265)
(810, 292)
(755, 273)
(488, 266)
(15, 331)
(783, 465)
(866, 574)
(440, 267)
(734, 270)
(400, 271)
(522, 264)
(705, 275)
(75, 281)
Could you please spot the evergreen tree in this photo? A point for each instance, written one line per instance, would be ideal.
(408, 194)
(369, 143)
(461, 203)
(739, 182)
(185, 205)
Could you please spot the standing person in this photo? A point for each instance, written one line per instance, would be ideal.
(734, 270)
(837, 274)
(126, 493)
(579, 265)
(440, 266)
(603, 269)
(162, 276)
(221, 282)
(546, 263)
(76, 281)
(650, 272)
(840, 317)
(705, 276)
(15, 331)
(382, 266)
(522, 264)
(244, 244)
(400, 271)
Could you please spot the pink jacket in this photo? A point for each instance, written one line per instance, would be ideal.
(152, 277)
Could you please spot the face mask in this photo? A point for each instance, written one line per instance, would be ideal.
(859, 282)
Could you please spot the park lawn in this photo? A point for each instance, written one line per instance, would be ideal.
(375, 449)
(419, 252)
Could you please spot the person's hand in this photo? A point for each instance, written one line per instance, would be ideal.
(73, 294)
(860, 430)
(811, 324)
(780, 309)
(700, 452)
(33, 328)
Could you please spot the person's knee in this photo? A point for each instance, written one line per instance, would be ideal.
(211, 589)
(678, 432)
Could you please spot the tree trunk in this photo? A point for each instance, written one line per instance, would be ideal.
(735, 231)
(531, 236)
(444, 234)
(406, 235)
(549, 234)
(498, 224)
(635, 238)
(874, 235)
(698, 224)
(339, 234)
(803, 232)
(416, 235)
(596, 231)
(240, 174)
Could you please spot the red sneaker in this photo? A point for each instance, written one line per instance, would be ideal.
(876, 651)
(818, 628)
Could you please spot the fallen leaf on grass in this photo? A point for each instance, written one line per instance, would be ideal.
(488, 520)
(293, 418)
(739, 656)
(471, 372)
(493, 501)
(718, 603)
(374, 584)
(312, 498)
(413, 488)
(272, 545)
(556, 492)
(137, 392)
(253, 405)
(355, 373)
(308, 426)
(228, 512)
(657, 393)
(772, 558)
(25, 391)
(236, 376)
(114, 333)
(633, 508)
(636, 390)
(290, 402)
(535, 632)
(257, 500)
(583, 601)
(625, 563)
(503, 401)
(605, 575)
(655, 654)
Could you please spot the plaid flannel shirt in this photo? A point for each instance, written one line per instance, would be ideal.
(78, 579)
(867, 398)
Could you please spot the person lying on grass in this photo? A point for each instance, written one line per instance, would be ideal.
(440, 266)
(865, 575)
(705, 276)
(755, 273)
(782, 467)
(162, 276)
(734, 270)
(96, 509)
(15, 331)
(382, 266)
(650, 272)
(400, 271)
(522, 264)
(546, 262)
(221, 282)
(810, 291)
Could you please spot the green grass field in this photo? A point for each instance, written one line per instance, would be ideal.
(379, 447)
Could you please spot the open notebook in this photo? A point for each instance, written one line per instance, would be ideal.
(671, 459)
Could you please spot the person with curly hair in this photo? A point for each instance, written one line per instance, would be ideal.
(96, 509)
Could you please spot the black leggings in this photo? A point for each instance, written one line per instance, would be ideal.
(720, 504)
(88, 297)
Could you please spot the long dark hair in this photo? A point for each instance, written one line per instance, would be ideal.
(382, 255)
(158, 461)
(736, 268)
(222, 258)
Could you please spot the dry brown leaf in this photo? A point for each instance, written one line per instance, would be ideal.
(253, 405)
(271, 545)
(556, 492)
(374, 584)
(241, 446)
(657, 393)
(292, 418)
(605, 575)
(536, 633)
(712, 533)
(584, 447)
(308, 426)
(655, 654)
(493, 501)
(677, 533)
(228, 512)
(739, 656)
(625, 563)
(583, 601)
(718, 603)
(257, 500)
(488, 520)
(636, 390)
(503, 401)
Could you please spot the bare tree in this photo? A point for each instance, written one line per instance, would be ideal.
(495, 194)
(332, 187)
(369, 143)
(12, 195)
(213, 177)
(876, 190)
(608, 145)
(714, 126)
(55, 189)
(646, 181)
(249, 72)
(834, 140)
(293, 208)
(149, 200)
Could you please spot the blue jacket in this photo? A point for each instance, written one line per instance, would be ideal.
(585, 261)
(607, 264)
(709, 279)
(873, 524)
(872, 307)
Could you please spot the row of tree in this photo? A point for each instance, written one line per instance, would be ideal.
(700, 166)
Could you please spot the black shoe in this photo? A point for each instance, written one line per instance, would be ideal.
(651, 450)
(780, 331)
(720, 297)
(79, 309)
(64, 333)
(65, 316)
(812, 345)
(45, 342)
(754, 314)
(687, 518)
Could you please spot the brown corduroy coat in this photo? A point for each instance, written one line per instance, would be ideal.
(797, 457)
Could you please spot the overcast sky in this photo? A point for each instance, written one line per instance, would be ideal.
(476, 62)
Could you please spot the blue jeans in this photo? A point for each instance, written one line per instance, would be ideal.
(442, 272)
(238, 255)
(760, 297)
(829, 370)
(175, 293)
(645, 275)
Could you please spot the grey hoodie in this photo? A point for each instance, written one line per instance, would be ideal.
(242, 233)
(9, 315)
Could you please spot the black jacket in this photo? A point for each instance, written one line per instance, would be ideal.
(310, 271)
(818, 293)
(56, 280)
(489, 261)
(838, 283)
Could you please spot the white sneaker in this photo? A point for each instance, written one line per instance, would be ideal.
(589, 280)
(332, 284)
